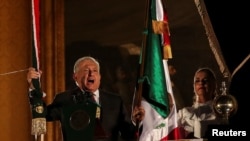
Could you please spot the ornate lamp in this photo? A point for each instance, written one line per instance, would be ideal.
(225, 104)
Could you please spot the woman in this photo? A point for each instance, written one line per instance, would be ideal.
(194, 119)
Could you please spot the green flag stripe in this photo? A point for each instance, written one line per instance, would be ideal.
(155, 91)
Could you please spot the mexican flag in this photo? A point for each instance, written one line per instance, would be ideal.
(160, 122)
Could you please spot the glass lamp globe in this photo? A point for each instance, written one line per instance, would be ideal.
(225, 104)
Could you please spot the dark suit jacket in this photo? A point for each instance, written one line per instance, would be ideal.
(114, 118)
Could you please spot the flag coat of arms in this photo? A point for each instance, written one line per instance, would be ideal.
(160, 122)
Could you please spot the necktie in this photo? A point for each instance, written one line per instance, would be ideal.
(93, 98)
(98, 110)
(90, 96)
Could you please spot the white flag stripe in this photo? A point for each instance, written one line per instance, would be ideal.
(151, 120)
(35, 24)
(172, 119)
(167, 78)
(159, 10)
(160, 15)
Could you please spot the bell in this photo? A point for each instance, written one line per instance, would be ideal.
(225, 104)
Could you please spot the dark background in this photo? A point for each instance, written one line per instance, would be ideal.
(231, 27)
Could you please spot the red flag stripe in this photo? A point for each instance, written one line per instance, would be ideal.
(36, 29)
(174, 134)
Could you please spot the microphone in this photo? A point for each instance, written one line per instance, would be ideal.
(83, 96)
(90, 96)
(78, 97)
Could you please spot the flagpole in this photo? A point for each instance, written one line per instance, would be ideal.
(139, 84)
(38, 109)
(142, 58)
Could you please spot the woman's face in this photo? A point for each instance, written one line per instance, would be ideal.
(204, 86)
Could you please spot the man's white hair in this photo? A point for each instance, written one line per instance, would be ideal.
(83, 59)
